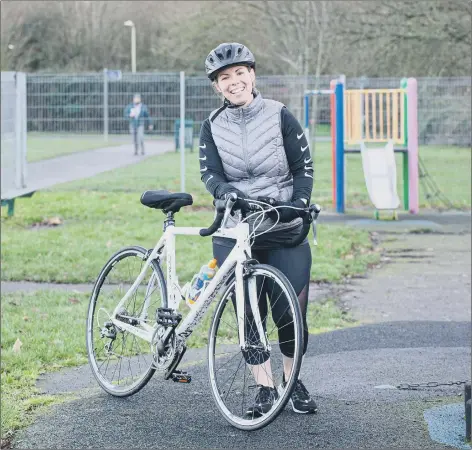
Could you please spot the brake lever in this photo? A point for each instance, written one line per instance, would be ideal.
(230, 201)
(314, 211)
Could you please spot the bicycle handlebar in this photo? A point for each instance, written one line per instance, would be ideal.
(223, 209)
(220, 206)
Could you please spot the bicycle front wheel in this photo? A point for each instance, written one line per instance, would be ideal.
(121, 362)
(250, 385)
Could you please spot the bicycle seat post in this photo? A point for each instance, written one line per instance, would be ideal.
(170, 221)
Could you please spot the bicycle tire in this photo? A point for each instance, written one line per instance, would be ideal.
(260, 422)
(92, 332)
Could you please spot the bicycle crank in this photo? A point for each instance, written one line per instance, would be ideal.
(177, 358)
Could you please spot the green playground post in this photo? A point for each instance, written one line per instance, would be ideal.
(406, 181)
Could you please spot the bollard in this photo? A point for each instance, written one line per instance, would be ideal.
(468, 408)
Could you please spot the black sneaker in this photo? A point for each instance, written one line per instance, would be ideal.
(301, 401)
(265, 399)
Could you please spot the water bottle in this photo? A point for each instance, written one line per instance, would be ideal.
(207, 272)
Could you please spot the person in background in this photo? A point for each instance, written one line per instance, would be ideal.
(138, 115)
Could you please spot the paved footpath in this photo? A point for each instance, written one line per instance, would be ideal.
(49, 172)
(414, 326)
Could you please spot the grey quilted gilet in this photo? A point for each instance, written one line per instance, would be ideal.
(250, 144)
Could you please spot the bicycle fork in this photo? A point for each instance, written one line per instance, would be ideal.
(253, 303)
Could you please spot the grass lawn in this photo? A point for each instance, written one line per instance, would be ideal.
(44, 146)
(48, 328)
(99, 215)
(47, 145)
(448, 167)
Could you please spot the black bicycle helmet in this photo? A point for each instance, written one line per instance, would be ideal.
(227, 55)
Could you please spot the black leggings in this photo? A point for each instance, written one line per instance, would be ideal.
(295, 264)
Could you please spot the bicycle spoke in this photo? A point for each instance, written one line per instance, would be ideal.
(235, 373)
(244, 390)
(227, 362)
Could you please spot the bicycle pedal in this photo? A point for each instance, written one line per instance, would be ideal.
(167, 318)
(179, 376)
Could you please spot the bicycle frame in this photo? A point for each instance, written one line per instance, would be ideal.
(165, 248)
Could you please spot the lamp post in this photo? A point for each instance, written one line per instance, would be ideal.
(130, 23)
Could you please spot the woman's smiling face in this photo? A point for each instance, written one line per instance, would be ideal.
(236, 84)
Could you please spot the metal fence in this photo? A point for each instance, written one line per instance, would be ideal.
(13, 132)
(92, 103)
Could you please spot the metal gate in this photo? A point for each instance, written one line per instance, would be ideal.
(13, 133)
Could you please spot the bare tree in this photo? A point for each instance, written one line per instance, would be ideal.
(355, 37)
(293, 33)
(425, 38)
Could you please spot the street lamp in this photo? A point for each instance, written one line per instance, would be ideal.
(129, 23)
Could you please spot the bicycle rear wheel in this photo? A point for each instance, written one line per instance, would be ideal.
(121, 362)
(235, 374)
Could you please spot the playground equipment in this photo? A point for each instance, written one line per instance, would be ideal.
(374, 116)
(380, 174)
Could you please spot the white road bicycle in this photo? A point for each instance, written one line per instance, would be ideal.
(138, 321)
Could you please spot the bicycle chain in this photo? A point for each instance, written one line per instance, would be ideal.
(429, 384)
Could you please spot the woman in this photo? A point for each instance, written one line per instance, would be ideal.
(256, 148)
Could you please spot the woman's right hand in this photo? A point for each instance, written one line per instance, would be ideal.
(241, 203)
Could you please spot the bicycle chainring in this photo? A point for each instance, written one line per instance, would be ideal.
(164, 360)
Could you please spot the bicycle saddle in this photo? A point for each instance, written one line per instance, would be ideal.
(165, 200)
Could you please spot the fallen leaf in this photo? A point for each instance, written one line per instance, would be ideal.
(17, 345)
(73, 300)
(109, 244)
(53, 221)
(26, 318)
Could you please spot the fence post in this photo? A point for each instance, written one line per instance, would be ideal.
(340, 178)
(412, 130)
(332, 99)
(306, 104)
(105, 104)
(364, 82)
(20, 130)
(406, 183)
(182, 131)
(467, 403)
